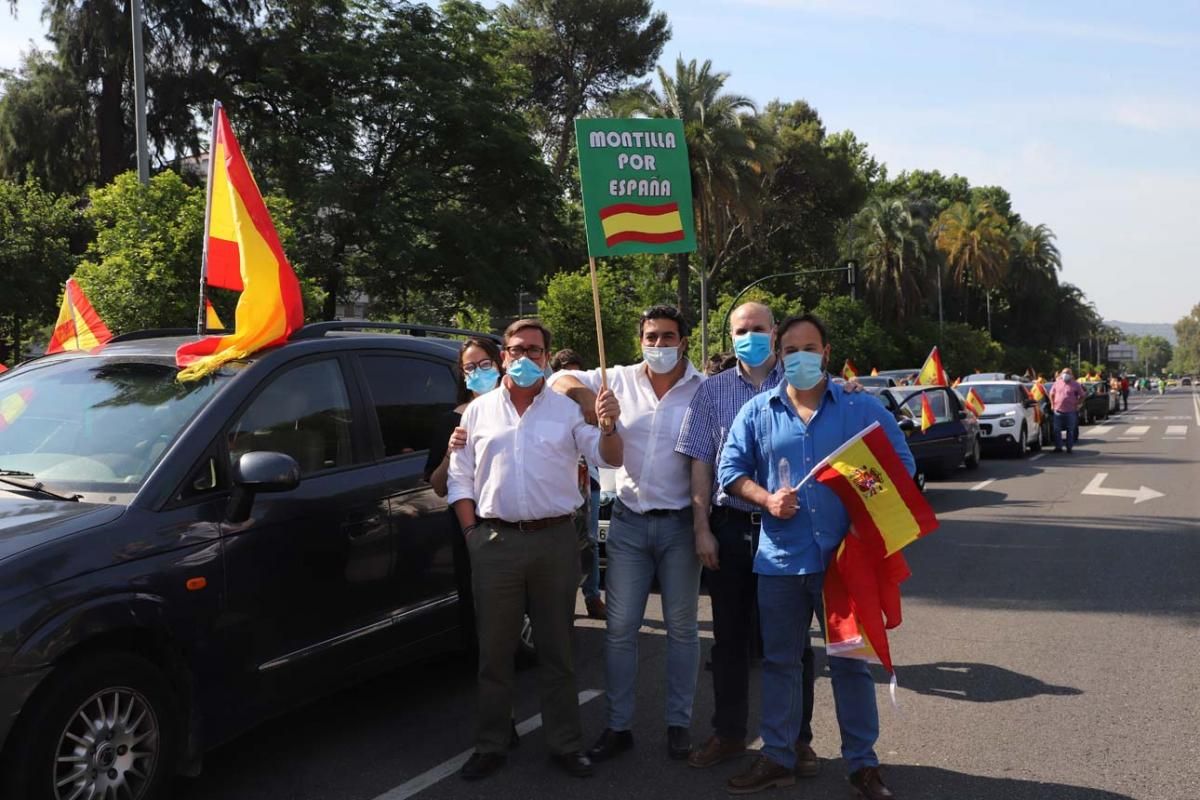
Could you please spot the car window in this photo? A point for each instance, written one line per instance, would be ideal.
(999, 394)
(305, 413)
(937, 401)
(410, 396)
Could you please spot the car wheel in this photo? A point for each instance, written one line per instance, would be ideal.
(104, 726)
(974, 454)
(1022, 443)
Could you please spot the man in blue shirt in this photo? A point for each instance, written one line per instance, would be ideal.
(775, 440)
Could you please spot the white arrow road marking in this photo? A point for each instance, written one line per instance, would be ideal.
(453, 765)
(1140, 495)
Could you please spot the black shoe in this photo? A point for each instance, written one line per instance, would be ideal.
(1058, 449)
(679, 742)
(514, 741)
(574, 764)
(481, 765)
(611, 743)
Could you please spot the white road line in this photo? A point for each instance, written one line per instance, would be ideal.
(1177, 430)
(1039, 455)
(1196, 405)
(1100, 430)
(983, 484)
(1136, 431)
(453, 765)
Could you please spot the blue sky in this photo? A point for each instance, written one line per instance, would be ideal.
(1087, 112)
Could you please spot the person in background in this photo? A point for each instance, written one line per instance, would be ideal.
(479, 371)
(1124, 392)
(1066, 397)
(570, 360)
(514, 489)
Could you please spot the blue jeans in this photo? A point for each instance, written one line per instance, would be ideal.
(591, 581)
(1068, 421)
(640, 546)
(785, 606)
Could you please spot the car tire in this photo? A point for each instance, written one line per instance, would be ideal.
(98, 710)
(974, 455)
(1022, 443)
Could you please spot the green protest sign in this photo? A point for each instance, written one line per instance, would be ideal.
(637, 190)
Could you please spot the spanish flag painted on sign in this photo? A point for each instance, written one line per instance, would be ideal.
(270, 306)
(78, 326)
(632, 222)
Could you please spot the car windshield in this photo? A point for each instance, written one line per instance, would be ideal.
(93, 426)
(996, 394)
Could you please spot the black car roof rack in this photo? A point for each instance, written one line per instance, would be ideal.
(152, 333)
(318, 329)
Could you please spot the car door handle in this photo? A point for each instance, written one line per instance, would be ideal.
(356, 527)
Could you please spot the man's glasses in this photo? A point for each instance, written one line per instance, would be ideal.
(517, 351)
(471, 366)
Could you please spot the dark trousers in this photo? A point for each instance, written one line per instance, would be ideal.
(733, 590)
(510, 568)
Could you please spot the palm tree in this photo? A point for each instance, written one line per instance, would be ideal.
(1032, 281)
(973, 237)
(729, 152)
(890, 245)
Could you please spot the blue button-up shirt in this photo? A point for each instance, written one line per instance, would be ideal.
(709, 417)
(768, 437)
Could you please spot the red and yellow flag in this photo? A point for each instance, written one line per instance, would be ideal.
(633, 222)
(78, 326)
(849, 371)
(3, 368)
(975, 403)
(1038, 392)
(957, 381)
(212, 322)
(874, 485)
(932, 373)
(270, 306)
(1037, 402)
(862, 599)
(874, 372)
(13, 406)
(927, 416)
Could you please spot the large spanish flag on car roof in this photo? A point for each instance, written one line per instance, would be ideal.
(270, 306)
(633, 222)
(78, 326)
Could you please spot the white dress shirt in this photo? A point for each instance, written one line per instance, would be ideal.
(654, 477)
(522, 467)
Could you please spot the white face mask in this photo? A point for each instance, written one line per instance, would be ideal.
(661, 360)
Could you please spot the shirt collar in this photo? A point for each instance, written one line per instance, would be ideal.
(776, 373)
(832, 391)
(689, 374)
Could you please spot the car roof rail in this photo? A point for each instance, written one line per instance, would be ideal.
(317, 330)
(152, 333)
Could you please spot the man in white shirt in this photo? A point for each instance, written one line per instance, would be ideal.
(513, 487)
(651, 529)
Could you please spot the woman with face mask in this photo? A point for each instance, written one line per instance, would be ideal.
(479, 371)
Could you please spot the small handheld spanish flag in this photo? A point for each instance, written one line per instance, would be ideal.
(849, 371)
(78, 326)
(975, 403)
(932, 373)
(927, 416)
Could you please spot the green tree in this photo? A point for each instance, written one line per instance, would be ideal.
(973, 238)
(1186, 359)
(579, 53)
(854, 334)
(963, 348)
(891, 246)
(1154, 353)
(567, 309)
(729, 151)
(36, 233)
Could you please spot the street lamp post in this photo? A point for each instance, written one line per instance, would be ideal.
(139, 93)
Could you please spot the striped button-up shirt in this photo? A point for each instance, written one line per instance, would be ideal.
(710, 416)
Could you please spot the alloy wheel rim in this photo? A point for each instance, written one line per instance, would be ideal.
(109, 749)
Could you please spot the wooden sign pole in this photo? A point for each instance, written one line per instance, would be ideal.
(605, 424)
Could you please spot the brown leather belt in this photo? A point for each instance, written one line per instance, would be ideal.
(530, 525)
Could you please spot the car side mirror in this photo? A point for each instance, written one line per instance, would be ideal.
(962, 414)
(907, 425)
(261, 471)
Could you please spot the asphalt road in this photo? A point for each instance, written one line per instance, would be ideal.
(1049, 651)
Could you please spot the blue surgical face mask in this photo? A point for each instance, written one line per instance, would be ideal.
(661, 360)
(481, 381)
(752, 349)
(525, 373)
(803, 370)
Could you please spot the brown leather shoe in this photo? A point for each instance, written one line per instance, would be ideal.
(596, 608)
(869, 785)
(807, 763)
(762, 774)
(715, 751)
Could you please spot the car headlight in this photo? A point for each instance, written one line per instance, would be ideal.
(1010, 413)
(1007, 422)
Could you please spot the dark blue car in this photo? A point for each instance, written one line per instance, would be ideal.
(952, 440)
